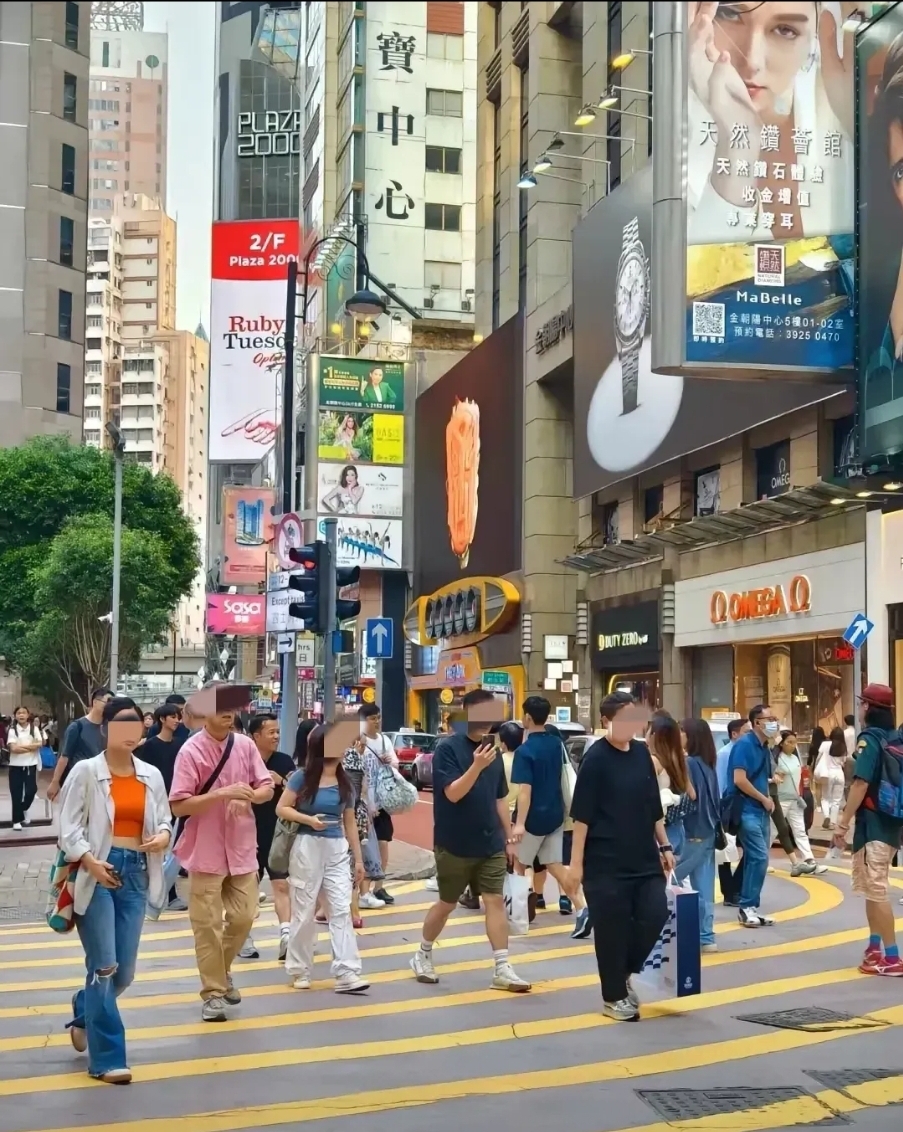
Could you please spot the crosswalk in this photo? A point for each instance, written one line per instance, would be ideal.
(462, 1054)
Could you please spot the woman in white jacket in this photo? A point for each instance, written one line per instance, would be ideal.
(830, 774)
(25, 741)
(115, 821)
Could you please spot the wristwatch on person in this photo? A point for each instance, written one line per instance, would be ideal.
(631, 310)
(665, 849)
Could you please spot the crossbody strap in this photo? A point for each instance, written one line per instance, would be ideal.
(208, 785)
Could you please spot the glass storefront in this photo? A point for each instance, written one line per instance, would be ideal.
(808, 683)
(643, 686)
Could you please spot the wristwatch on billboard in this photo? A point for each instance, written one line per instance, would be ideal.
(631, 310)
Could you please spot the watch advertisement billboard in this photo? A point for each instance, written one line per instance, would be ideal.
(631, 418)
(247, 529)
(879, 52)
(767, 124)
(468, 444)
(247, 334)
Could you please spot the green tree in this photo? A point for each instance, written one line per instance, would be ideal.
(56, 574)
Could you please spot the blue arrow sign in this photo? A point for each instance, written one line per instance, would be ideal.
(380, 638)
(858, 632)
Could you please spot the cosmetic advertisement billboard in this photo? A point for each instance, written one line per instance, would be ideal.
(247, 529)
(761, 226)
(247, 335)
(241, 614)
(879, 96)
(360, 489)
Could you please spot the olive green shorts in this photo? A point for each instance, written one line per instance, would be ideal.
(454, 874)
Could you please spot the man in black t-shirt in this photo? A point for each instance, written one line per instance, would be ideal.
(620, 851)
(471, 836)
(160, 750)
(264, 730)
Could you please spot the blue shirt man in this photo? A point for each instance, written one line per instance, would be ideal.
(735, 728)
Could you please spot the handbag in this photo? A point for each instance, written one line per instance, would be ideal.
(568, 781)
(61, 900)
(393, 794)
(680, 809)
(281, 847)
(720, 835)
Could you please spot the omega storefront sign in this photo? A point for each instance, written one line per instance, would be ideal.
(807, 595)
(269, 133)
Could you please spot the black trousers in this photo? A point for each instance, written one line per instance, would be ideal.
(627, 917)
(23, 787)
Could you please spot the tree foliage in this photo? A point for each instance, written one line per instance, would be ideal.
(56, 563)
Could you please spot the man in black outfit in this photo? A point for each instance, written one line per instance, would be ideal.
(160, 749)
(620, 852)
(181, 732)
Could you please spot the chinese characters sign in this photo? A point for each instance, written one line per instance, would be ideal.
(769, 264)
(554, 331)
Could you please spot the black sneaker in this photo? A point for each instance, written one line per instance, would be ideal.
(468, 900)
(564, 905)
(540, 902)
(381, 894)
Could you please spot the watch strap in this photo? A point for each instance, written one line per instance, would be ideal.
(632, 232)
(630, 373)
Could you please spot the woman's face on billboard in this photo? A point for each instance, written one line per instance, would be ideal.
(895, 158)
(769, 44)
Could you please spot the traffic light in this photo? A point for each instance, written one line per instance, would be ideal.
(346, 576)
(312, 609)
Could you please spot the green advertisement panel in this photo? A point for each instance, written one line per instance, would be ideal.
(361, 384)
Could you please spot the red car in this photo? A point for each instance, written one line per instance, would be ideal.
(408, 745)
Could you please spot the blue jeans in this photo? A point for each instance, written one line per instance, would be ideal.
(698, 863)
(110, 931)
(755, 839)
(676, 836)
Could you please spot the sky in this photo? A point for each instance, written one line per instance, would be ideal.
(189, 190)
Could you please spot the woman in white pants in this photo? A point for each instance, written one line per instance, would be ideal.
(320, 800)
(830, 774)
(788, 773)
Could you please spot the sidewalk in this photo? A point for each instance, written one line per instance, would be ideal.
(43, 828)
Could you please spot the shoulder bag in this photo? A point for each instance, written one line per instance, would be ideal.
(170, 864)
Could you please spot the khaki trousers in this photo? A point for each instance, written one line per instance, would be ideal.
(221, 910)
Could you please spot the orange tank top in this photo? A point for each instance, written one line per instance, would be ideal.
(127, 793)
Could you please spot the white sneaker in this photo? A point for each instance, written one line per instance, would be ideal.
(622, 1011)
(749, 918)
(301, 982)
(368, 900)
(431, 884)
(764, 921)
(422, 966)
(283, 945)
(17, 826)
(351, 984)
(249, 950)
(632, 997)
(26, 821)
(506, 978)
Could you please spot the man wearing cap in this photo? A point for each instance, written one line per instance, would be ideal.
(877, 836)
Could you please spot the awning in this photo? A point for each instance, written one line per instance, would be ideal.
(799, 505)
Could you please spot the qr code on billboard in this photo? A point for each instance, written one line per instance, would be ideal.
(708, 320)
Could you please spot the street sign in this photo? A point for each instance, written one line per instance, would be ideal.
(305, 652)
(278, 580)
(380, 637)
(495, 680)
(285, 642)
(278, 618)
(308, 689)
(858, 632)
(289, 533)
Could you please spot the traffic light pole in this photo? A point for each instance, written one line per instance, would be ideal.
(328, 641)
(288, 717)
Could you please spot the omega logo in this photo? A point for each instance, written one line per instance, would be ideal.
(452, 615)
(768, 601)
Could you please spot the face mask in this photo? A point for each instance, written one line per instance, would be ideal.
(771, 727)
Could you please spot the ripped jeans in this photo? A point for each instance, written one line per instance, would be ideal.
(110, 931)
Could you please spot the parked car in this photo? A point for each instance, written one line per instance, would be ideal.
(422, 770)
(576, 746)
(408, 745)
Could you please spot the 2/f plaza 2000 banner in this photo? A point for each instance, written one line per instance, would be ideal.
(247, 334)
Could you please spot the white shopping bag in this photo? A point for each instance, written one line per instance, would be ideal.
(673, 969)
(517, 891)
(729, 855)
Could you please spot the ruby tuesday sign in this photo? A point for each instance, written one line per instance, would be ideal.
(258, 332)
(241, 614)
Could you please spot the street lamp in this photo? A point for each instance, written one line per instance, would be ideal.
(118, 452)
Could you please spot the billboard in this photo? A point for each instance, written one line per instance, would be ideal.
(360, 489)
(242, 614)
(372, 544)
(764, 108)
(361, 384)
(468, 491)
(630, 419)
(248, 528)
(879, 96)
(247, 335)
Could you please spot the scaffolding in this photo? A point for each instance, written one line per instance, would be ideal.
(108, 15)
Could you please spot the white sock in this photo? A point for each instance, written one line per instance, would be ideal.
(500, 957)
(284, 929)
(426, 945)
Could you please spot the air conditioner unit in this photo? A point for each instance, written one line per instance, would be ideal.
(466, 305)
(429, 302)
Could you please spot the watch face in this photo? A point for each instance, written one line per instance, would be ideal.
(630, 296)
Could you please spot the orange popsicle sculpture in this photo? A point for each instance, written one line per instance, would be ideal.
(462, 476)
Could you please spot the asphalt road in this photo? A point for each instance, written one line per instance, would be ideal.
(460, 1055)
(416, 826)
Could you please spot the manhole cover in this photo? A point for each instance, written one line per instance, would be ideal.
(812, 1018)
(841, 1079)
(697, 1104)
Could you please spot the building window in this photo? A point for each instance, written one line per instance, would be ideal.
(708, 492)
(63, 386)
(445, 103)
(496, 214)
(442, 217)
(442, 160)
(64, 315)
(71, 36)
(615, 27)
(67, 239)
(524, 198)
(444, 276)
(67, 175)
(445, 46)
(70, 96)
(773, 470)
(653, 503)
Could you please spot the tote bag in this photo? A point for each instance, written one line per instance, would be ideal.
(61, 900)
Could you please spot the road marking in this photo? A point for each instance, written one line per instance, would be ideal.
(822, 897)
(691, 1004)
(297, 1110)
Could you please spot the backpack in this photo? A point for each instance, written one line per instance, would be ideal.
(888, 798)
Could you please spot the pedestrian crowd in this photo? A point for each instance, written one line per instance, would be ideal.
(652, 807)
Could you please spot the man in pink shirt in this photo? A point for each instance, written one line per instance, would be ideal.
(219, 775)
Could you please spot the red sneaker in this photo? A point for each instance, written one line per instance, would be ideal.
(872, 959)
(891, 967)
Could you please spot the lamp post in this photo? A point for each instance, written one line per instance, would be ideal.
(118, 453)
